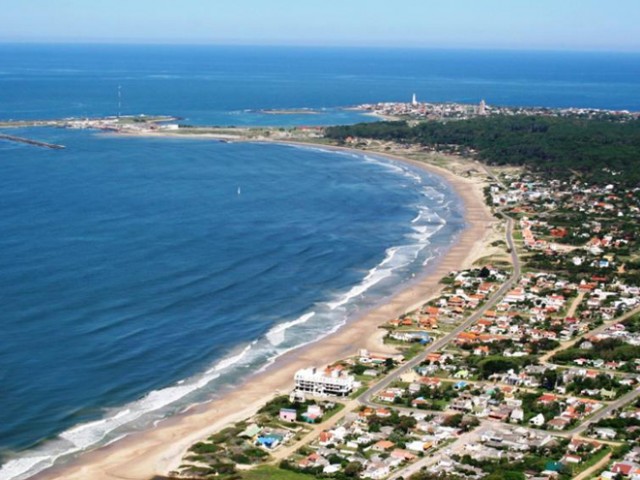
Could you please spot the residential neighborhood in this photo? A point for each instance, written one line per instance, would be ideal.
(525, 364)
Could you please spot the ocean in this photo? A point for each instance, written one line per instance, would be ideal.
(139, 276)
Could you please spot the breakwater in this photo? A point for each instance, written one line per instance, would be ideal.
(28, 141)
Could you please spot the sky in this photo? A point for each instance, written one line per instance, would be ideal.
(499, 24)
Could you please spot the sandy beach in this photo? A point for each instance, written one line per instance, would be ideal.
(157, 451)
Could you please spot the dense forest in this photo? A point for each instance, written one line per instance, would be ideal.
(598, 149)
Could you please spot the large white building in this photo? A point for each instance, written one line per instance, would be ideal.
(324, 382)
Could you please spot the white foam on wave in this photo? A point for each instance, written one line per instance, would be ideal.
(423, 233)
(342, 153)
(20, 468)
(426, 261)
(272, 359)
(396, 258)
(90, 434)
(395, 167)
(374, 276)
(276, 335)
(427, 215)
(382, 162)
(433, 193)
(426, 223)
(230, 361)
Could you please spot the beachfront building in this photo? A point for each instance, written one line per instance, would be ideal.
(330, 381)
(288, 415)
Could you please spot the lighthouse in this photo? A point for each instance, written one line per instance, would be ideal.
(482, 108)
(414, 101)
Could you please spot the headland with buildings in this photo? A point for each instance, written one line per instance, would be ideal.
(420, 110)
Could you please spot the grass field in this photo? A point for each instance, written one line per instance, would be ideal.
(273, 473)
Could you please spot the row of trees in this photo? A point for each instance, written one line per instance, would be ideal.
(610, 349)
(493, 364)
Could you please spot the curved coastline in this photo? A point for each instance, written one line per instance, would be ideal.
(159, 450)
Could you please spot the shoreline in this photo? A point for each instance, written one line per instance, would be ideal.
(159, 449)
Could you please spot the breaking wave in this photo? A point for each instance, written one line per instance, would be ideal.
(400, 263)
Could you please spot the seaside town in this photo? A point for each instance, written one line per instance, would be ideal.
(526, 365)
(298, 240)
(416, 109)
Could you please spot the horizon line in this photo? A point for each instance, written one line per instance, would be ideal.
(311, 45)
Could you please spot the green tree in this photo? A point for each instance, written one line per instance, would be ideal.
(353, 469)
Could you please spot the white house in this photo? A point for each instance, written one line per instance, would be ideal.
(605, 433)
(517, 415)
(537, 421)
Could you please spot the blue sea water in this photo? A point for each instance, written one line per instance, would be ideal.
(178, 266)
(138, 275)
(227, 85)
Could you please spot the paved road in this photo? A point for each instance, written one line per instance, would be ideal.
(613, 321)
(469, 437)
(442, 342)
(622, 401)
(366, 397)
(600, 414)
(544, 359)
(455, 448)
(286, 451)
(595, 418)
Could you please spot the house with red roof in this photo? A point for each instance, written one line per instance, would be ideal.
(624, 468)
(382, 446)
(547, 398)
